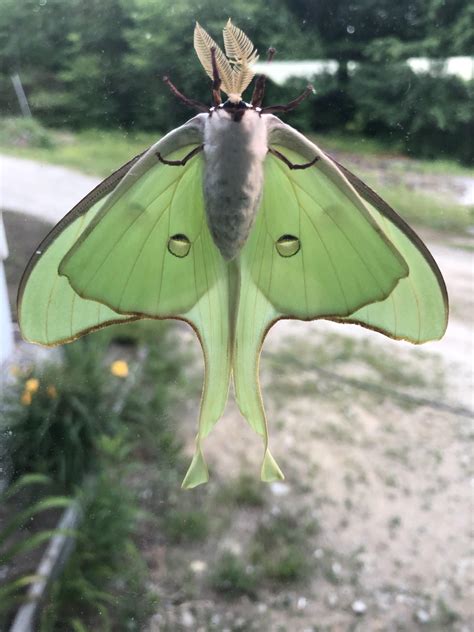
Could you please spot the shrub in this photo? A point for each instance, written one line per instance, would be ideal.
(56, 413)
(426, 114)
(24, 132)
(103, 584)
(14, 544)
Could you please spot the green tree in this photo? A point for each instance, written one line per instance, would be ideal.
(161, 44)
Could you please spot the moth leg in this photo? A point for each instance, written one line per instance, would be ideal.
(183, 161)
(289, 164)
(216, 80)
(291, 105)
(196, 105)
(259, 90)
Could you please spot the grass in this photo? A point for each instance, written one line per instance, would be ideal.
(103, 584)
(427, 210)
(99, 152)
(245, 491)
(280, 548)
(233, 578)
(18, 541)
(186, 525)
(354, 144)
(55, 413)
(61, 421)
(303, 367)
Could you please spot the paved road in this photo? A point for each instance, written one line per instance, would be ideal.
(45, 191)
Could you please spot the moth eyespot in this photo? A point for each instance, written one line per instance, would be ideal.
(288, 245)
(179, 245)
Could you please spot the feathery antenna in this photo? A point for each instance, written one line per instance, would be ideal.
(234, 67)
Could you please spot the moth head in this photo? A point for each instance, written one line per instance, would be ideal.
(235, 65)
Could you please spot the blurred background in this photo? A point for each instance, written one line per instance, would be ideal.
(372, 528)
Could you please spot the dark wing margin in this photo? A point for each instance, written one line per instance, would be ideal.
(94, 196)
(381, 205)
(48, 310)
(392, 217)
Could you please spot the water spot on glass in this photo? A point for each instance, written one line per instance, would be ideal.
(147, 36)
(42, 2)
(350, 29)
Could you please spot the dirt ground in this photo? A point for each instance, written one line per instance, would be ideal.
(375, 439)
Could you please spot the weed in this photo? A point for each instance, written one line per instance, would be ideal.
(14, 544)
(104, 580)
(55, 414)
(109, 149)
(232, 578)
(427, 210)
(246, 490)
(446, 616)
(394, 523)
(279, 548)
(398, 454)
(186, 525)
(25, 132)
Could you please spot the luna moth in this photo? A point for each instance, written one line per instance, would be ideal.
(231, 222)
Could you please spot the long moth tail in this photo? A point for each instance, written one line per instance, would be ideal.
(255, 314)
(210, 319)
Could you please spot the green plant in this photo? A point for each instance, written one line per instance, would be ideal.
(280, 548)
(232, 577)
(13, 544)
(25, 132)
(145, 413)
(187, 525)
(55, 414)
(246, 490)
(435, 119)
(445, 616)
(103, 584)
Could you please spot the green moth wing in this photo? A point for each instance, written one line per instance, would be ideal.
(325, 246)
(180, 273)
(417, 310)
(49, 310)
(341, 260)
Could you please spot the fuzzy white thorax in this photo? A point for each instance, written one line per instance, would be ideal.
(234, 152)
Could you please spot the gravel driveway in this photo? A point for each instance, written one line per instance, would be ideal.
(45, 191)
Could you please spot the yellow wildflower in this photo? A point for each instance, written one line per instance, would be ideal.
(26, 398)
(52, 391)
(31, 385)
(119, 368)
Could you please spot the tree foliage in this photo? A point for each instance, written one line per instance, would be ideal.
(100, 63)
